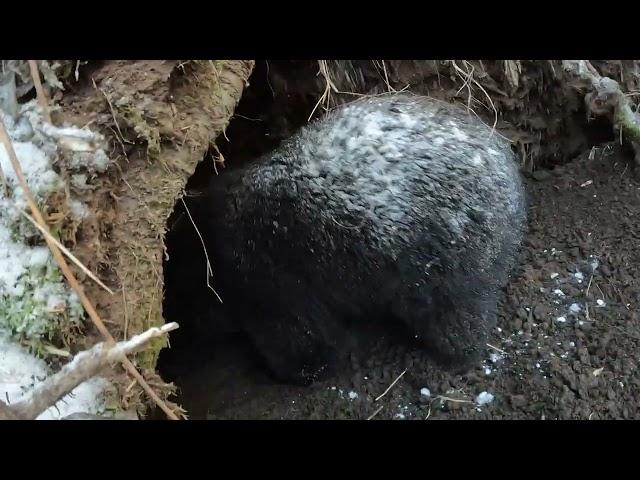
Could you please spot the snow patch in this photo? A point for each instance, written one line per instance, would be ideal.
(20, 371)
(484, 398)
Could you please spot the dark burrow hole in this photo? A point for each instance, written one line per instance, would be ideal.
(216, 367)
(213, 374)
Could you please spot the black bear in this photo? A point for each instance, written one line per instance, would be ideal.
(394, 208)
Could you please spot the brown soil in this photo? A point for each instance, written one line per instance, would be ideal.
(554, 355)
(160, 118)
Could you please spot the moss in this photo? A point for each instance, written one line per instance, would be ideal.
(140, 263)
(149, 357)
(26, 310)
(135, 119)
(28, 317)
(627, 120)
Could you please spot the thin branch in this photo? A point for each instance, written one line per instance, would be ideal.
(209, 269)
(496, 349)
(391, 386)
(84, 366)
(42, 98)
(450, 399)
(3, 179)
(69, 255)
(472, 79)
(370, 417)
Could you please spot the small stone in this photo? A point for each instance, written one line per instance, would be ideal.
(517, 323)
(540, 312)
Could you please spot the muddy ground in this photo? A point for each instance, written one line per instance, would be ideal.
(566, 346)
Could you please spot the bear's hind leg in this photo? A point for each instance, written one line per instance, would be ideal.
(452, 321)
(298, 345)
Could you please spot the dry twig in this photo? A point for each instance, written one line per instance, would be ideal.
(69, 255)
(42, 98)
(84, 366)
(391, 386)
(378, 410)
